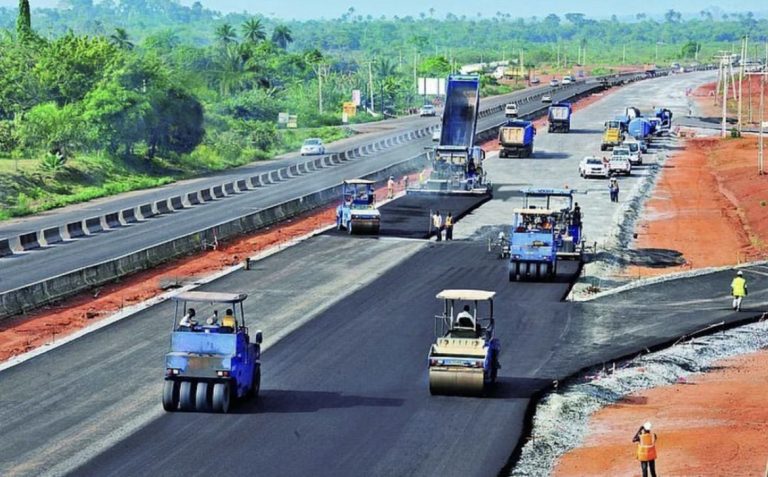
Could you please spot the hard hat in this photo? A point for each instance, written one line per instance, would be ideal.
(647, 426)
(739, 273)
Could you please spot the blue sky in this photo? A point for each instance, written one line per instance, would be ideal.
(306, 9)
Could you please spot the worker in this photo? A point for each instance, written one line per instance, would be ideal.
(576, 214)
(421, 178)
(214, 319)
(437, 223)
(465, 314)
(188, 320)
(449, 227)
(391, 188)
(738, 289)
(405, 182)
(613, 188)
(646, 449)
(228, 321)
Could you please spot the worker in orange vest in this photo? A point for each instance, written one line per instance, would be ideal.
(646, 449)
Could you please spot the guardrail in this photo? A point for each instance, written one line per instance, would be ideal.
(22, 299)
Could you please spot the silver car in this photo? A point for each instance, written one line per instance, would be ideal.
(312, 146)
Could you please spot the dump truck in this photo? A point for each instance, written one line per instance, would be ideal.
(665, 115)
(357, 213)
(464, 360)
(457, 163)
(559, 117)
(211, 361)
(640, 128)
(516, 138)
(545, 230)
(612, 135)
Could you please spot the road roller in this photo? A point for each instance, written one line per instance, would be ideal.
(213, 359)
(357, 213)
(464, 360)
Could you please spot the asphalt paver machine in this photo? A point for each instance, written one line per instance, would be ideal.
(464, 360)
(357, 213)
(213, 359)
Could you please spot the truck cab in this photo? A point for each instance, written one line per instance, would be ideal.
(612, 135)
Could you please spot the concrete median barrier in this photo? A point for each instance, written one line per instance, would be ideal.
(176, 202)
(75, 230)
(241, 185)
(294, 170)
(274, 176)
(29, 241)
(218, 192)
(255, 181)
(93, 225)
(193, 198)
(129, 216)
(113, 220)
(52, 235)
(206, 195)
(5, 247)
(161, 206)
(229, 188)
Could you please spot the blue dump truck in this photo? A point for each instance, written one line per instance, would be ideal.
(559, 117)
(665, 115)
(516, 138)
(547, 228)
(457, 161)
(640, 128)
(213, 358)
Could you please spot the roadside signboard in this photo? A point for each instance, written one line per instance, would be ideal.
(293, 121)
(356, 97)
(349, 108)
(282, 119)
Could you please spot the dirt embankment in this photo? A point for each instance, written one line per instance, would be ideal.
(709, 100)
(711, 206)
(51, 323)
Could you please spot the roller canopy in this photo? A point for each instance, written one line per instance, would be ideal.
(211, 297)
(471, 295)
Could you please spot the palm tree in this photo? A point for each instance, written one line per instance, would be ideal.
(281, 36)
(226, 34)
(253, 30)
(120, 39)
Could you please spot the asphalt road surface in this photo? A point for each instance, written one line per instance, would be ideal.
(36, 265)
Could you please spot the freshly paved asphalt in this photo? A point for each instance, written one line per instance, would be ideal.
(37, 265)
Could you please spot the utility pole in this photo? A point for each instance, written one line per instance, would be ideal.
(741, 78)
(725, 93)
(370, 83)
(624, 55)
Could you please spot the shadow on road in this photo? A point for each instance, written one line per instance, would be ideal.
(519, 388)
(293, 401)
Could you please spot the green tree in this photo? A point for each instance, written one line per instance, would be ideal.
(253, 30)
(437, 66)
(24, 21)
(115, 116)
(281, 36)
(52, 128)
(120, 39)
(690, 49)
(176, 123)
(226, 34)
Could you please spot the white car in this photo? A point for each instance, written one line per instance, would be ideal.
(619, 165)
(428, 110)
(553, 82)
(547, 98)
(568, 79)
(635, 152)
(592, 166)
(312, 146)
(510, 110)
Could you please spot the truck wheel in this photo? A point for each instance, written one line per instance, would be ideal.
(511, 276)
(170, 395)
(256, 382)
(187, 396)
(221, 397)
(602, 147)
(202, 396)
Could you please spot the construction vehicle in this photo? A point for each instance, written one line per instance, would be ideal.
(640, 128)
(665, 115)
(543, 231)
(613, 135)
(464, 359)
(457, 163)
(357, 213)
(516, 138)
(210, 362)
(559, 117)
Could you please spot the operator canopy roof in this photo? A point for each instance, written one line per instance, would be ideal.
(358, 181)
(471, 295)
(211, 297)
(546, 192)
(534, 211)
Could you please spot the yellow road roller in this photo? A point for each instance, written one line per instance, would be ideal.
(464, 360)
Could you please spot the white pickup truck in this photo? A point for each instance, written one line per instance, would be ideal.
(619, 164)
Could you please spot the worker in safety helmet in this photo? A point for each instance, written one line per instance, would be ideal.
(738, 289)
(465, 313)
(188, 321)
(646, 449)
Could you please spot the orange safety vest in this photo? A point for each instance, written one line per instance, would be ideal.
(646, 449)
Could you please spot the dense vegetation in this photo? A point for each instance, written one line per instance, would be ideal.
(98, 98)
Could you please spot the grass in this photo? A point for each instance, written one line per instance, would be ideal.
(26, 189)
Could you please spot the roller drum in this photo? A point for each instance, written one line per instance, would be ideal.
(364, 227)
(457, 381)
